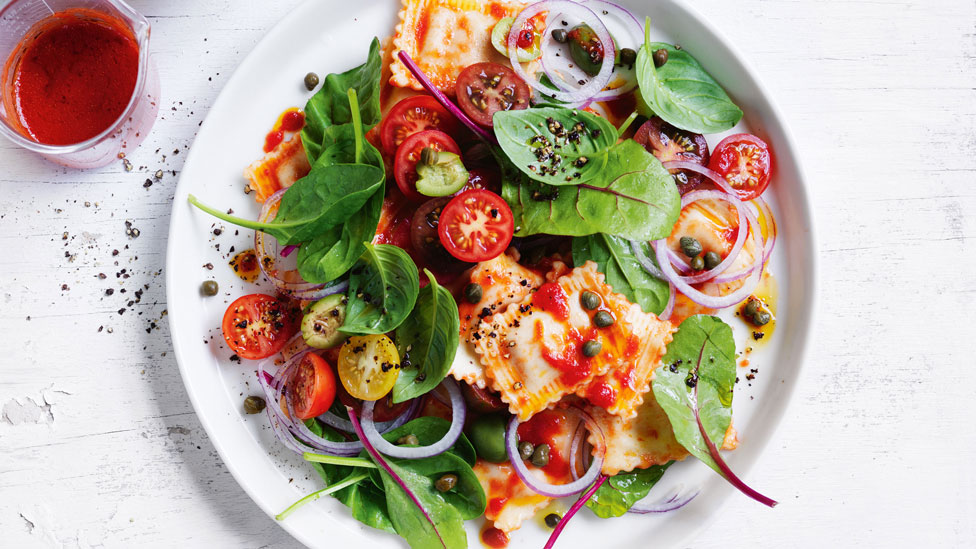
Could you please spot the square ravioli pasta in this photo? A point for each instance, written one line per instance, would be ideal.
(533, 352)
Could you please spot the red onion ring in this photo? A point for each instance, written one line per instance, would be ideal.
(646, 262)
(677, 501)
(669, 308)
(337, 422)
(458, 413)
(740, 239)
(574, 449)
(542, 487)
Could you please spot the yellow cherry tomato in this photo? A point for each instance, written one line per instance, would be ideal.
(369, 366)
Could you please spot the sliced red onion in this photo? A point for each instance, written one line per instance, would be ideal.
(646, 262)
(574, 449)
(669, 308)
(740, 239)
(458, 413)
(573, 510)
(677, 501)
(337, 422)
(287, 250)
(713, 176)
(540, 486)
(628, 19)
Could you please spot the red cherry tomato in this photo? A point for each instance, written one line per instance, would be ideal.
(669, 143)
(413, 115)
(257, 326)
(476, 225)
(486, 88)
(744, 161)
(408, 154)
(484, 178)
(311, 387)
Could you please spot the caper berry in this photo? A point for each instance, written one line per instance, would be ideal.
(552, 520)
(209, 287)
(690, 246)
(408, 440)
(698, 263)
(603, 319)
(311, 80)
(525, 449)
(589, 300)
(628, 57)
(660, 57)
(592, 348)
(559, 35)
(254, 405)
(446, 483)
(428, 156)
(712, 260)
(540, 457)
(473, 293)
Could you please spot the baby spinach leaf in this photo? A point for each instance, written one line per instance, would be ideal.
(429, 338)
(615, 259)
(383, 288)
(332, 253)
(634, 197)
(703, 354)
(555, 145)
(623, 490)
(430, 429)
(682, 93)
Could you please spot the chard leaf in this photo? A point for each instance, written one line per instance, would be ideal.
(623, 490)
(615, 258)
(383, 288)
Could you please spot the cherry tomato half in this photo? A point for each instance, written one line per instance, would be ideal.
(408, 154)
(668, 143)
(369, 366)
(486, 88)
(476, 225)
(257, 326)
(311, 387)
(744, 161)
(413, 115)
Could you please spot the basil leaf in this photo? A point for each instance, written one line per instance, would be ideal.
(383, 288)
(703, 354)
(682, 93)
(546, 144)
(620, 492)
(615, 259)
(331, 254)
(634, 197)
(429, 338)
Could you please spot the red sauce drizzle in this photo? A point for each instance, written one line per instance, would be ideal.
(292, 120)
(570, 360)
(75, 79)
(495, 505)
(552, 299)
(544, 428)
(601, 394)
(493, 537)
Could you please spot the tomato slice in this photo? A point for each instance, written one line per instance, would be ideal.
(744, 161)
(408, 154)
(257, 326)
(369, 366)
(311, 387)
(486, 88)
(414, 115)
(476, 225)
(668, 143)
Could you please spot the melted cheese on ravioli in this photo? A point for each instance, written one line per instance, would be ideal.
(445, 36)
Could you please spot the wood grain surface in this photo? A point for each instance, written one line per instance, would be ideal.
(99, 446)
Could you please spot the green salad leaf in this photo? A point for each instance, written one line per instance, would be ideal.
(634, 197)
(429, 340)
(430, 429)
(621, 491)
(383, 289)
(555, 145)
(702, 354)
(615, 258)
(332, 253)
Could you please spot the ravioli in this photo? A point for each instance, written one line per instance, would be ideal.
(444, 37)
(278, 169)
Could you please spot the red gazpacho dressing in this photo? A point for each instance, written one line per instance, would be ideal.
(74, 76)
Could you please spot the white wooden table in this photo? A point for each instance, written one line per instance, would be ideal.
(99, 445)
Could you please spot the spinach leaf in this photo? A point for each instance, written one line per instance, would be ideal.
(703, 354)
(429, 338)
(332, 253)
(615, 258)
(408, 520)
(329, 109)
(634, 197)
(622, 491)
(555, 145)
(383, 288)
(428, 430)
(682, 93)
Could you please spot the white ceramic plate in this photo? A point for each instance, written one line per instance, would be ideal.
(332, 36)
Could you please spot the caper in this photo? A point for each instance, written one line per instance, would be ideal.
(559, 35)
(751, 308)
(209, 287)
(660, 57)
(628, 56)
(698, 263)
(690, 246)
(589, 300)
(552, 520)
(761, 318)
(603, 319)
(446, 483)
(473, 293)
(311, 80)
(428, 156)
(408, 440)
(254, 405)
(712, 260)
(525, 449)
(592, 348)
(540, 457)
